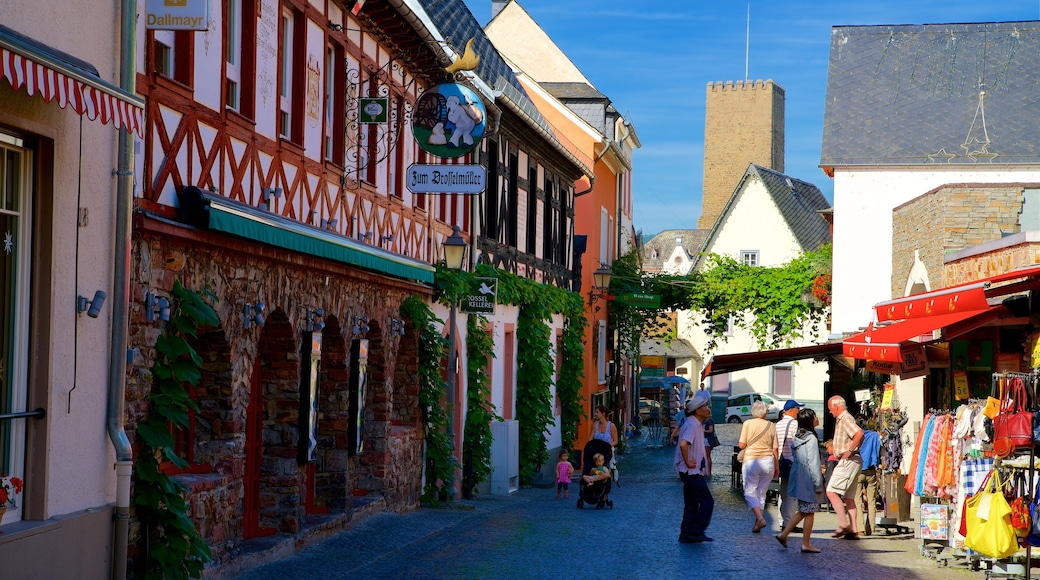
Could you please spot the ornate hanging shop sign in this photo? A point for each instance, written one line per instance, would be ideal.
(465, 179)
(448, 120)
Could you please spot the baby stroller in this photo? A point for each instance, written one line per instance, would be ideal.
(594, 493)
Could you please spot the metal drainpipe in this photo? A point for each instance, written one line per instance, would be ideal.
(121, 291)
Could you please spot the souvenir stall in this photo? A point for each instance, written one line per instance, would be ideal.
(974, 388)
(974, 472)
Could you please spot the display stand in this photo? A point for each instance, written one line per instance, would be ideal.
(895, 501)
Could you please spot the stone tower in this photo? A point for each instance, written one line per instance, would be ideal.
(743, 123)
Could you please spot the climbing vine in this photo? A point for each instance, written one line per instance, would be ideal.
(776, 304)
(537, 304)
(175, 549)
(479, 410)
(440, 464)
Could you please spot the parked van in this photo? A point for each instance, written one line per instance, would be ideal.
(738, 407)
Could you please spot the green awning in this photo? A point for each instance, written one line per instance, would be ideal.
(231, 217)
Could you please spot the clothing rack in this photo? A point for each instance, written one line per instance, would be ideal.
(1031, 380)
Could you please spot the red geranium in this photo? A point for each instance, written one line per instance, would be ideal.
(821, 288)
(10, 486)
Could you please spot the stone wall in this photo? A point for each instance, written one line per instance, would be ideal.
(743, 124)
(947, 219)
(290, 285)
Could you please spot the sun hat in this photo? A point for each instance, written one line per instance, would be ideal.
(699, 399)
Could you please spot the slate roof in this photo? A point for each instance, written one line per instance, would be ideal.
(799, 203)
(664, 243)
(573, 91)
(676, 348)
(458, 25)
(909, 94)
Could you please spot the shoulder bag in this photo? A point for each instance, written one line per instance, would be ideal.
(740, 455)
(785, 463)
(988, 518)
(1013, 426)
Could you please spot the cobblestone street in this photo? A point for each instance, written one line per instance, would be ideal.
(533, 535)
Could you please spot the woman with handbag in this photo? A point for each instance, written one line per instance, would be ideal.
(805, 483)
(758, 456)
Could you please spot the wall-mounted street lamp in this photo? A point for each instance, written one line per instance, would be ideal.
(361, 325)
(253, 314)
(600, 284)
(269, 194)
(455, 259)
(156, 308)
(316, 320)
(91, 307)
(455, 250)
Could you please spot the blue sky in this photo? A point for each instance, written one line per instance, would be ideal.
(654, 59)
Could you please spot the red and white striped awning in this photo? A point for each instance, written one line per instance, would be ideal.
(24, 65)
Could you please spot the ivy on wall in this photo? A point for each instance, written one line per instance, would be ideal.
(537, 304)
(174, 547)
(479, 410)
(440, 464)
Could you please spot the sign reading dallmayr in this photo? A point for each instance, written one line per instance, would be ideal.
(176, 14)
(468, 179)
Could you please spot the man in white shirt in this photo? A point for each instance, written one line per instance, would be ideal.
(786, 428)
(691, 463)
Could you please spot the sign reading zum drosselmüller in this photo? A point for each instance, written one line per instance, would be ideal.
(483, 299)
(465, 179)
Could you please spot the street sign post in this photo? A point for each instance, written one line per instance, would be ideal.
(640, 299)
(483, 298)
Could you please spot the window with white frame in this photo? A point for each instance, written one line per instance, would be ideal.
(162, 52)
(783, 385)
(233, 54)
(730, 325)
(601, 350)
(749, 257)
(15, 218)
(330, 101)
(285, 85)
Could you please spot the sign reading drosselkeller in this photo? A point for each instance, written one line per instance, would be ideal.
(483, 299)
(465, 179)
(176, 14)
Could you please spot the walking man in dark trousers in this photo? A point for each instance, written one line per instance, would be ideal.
(691, 463)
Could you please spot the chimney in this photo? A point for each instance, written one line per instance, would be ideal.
(497, 6)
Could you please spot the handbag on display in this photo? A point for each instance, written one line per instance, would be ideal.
(988, 515)
(1013, 426)
(1033, 537)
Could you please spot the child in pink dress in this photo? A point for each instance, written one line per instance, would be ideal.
(564, 469)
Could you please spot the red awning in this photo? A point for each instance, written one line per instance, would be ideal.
(970, 296)
(726, 363)
(885, 343)
(55, 76)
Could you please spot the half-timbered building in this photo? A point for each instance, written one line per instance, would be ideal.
(264, 179)
(261, 181)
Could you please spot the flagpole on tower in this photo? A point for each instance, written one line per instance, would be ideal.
(747, 41)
